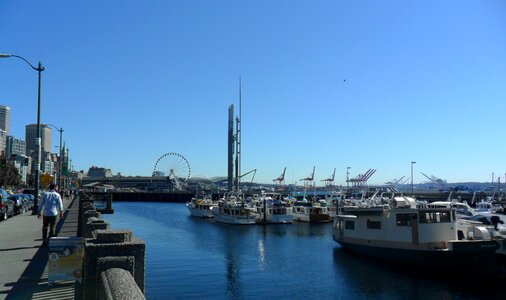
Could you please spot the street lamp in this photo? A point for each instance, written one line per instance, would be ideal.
(347, 176)
(39, 69)
(60, 182)
(412, 186)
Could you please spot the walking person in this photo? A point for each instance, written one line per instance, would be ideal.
(50, 207)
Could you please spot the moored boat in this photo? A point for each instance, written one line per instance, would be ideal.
(273, 211)
(425, 236)
(201, 206)
(234, 210)
(306, 211)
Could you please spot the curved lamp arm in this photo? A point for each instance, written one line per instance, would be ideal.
(39, 69)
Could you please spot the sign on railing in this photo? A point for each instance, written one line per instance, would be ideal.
(65, 259)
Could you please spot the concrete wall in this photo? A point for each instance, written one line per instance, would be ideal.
(114, 260)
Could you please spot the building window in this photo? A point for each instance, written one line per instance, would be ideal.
(349, 225)
(373, 224)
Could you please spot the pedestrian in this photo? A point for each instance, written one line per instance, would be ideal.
(50, 206)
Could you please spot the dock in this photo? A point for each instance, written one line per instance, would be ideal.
(24, 271)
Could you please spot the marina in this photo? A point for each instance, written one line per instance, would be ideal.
(252, 150)
(292, 261)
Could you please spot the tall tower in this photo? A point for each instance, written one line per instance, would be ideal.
(230, 147)
(4, 126)
(31, 136)
(4, 118)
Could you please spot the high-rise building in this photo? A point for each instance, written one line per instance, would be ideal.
(14, 146)
(4, 118)
(3, 138)
(31, 136)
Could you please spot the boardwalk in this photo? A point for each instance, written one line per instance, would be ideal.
(23, 271)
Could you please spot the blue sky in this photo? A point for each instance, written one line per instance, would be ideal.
(331, 84)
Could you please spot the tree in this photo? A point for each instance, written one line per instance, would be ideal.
(9, 175)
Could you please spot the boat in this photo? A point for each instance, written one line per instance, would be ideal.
(306, 211)
(232, 209)
(331, 201)
(488, 207)
(273, 211)
(201, 206)
(421, 235)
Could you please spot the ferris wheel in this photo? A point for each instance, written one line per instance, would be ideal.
(174, 166)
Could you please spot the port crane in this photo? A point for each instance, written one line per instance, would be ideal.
(395, 181)
(434, 179)
(329, 182)
(280, 181)
(361, 179)
(309, 180)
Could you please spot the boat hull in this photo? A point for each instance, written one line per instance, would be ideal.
(311, 218)
(200, 213)
(246, 220)
(467, 257)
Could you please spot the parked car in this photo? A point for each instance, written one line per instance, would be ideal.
(20, 205)
(30, 199)
(6, 205)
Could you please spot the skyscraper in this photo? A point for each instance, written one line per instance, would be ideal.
(3, 138)
(15, 146)
(31, 136)
(4, 118)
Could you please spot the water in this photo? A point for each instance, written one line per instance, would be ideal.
(190, 258)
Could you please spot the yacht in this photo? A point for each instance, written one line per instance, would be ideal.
(273, 211)
(232, 209)
(201, 206)
(421, 235)
(306, 211)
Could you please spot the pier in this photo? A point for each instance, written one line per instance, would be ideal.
(113, 260)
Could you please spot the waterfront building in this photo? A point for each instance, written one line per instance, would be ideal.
(31, 136)
(3, 137)
(4, 118)
(14, 146)
(21, 163)
(48, 163)
(158, 174)
(99, 172)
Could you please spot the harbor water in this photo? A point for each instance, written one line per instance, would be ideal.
(191, 258)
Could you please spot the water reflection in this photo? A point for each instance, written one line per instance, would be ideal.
(367, 277)
(192, 258)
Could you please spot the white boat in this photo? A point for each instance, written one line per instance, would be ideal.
(332, 201)
(201, 207)
(273, 211)
(423, 236)
(462, 209)
(305, 211)
(488, 207)
(234, 210)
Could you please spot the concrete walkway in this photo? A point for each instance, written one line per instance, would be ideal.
(23, 262)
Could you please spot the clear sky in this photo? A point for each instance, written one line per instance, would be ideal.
(331, 84)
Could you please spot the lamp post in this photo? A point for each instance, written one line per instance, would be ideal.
(39, 69)
(60, 182)
(347, 176)
(412, 186)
